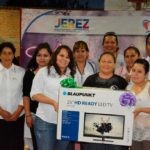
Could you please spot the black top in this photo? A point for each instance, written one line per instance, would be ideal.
(27, 84)
(115, 82)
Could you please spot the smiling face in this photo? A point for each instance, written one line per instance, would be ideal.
(130, 57)
(62, 59)
(43, 57)
(106, 64)
(7, 56)
(110, 44)
(148, 46)
(81, 55)
(138, 74)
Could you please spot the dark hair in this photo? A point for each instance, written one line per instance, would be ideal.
(110, 34)
(134, 48)
(16, 60)
(32, 63)
(80, 44)
(147, 37)
(107, 53)
(54, 60)
(144, 63)
(9, 45)
(12, 47)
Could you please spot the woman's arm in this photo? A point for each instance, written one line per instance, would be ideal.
(38, 88)
(26, 103)
(5, 114)
(137, 111)
(17, 113)
(27, 84)
(45, 99)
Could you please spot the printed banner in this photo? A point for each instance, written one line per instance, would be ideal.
(95, 115)
(59, 27)
(97, 25)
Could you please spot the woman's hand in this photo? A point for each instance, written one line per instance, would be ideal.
(136, 112)
(29, 120)
(55, 105)
(45, 99)
(127, 77)
(5, 114)
(17, 113)
(141, 109)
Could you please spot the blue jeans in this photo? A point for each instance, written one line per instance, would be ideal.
(46, 136)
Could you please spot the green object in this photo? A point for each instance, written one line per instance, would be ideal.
(69, 83)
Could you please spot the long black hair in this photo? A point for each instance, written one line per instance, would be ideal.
(32, 63)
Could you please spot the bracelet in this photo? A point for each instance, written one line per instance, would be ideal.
(28, 115)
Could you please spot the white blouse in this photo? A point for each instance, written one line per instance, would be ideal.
(49, 86)
(148, 59)
(141, 130)
(11, 83)
(119, 61)
(122, 71)
(90, 68)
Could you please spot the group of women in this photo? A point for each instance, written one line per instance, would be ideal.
(41, 82)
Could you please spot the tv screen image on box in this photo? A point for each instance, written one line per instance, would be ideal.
(103, 126)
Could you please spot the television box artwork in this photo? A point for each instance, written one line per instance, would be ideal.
(95, 115)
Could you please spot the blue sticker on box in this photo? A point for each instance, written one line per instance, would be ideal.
(70, 125)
